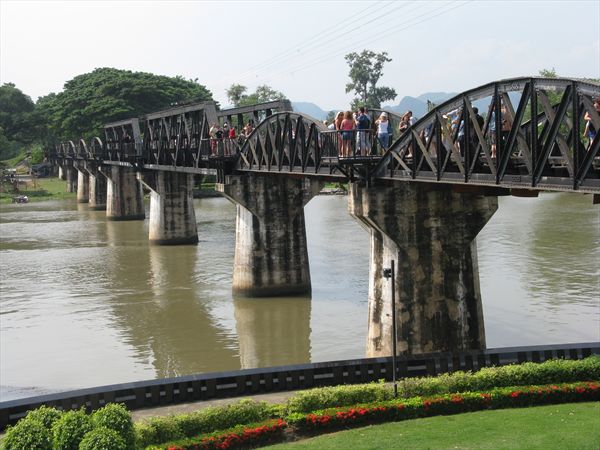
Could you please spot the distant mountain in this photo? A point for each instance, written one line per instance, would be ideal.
(310, 109)
(418, 105)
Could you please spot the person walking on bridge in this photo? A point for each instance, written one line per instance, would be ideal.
(347, 130)
(383, 131)
(363, 124)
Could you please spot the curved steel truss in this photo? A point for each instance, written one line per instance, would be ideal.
(505, 146)
(285, 142)
(517, 133)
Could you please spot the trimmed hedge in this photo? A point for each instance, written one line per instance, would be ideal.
(241, 436)
(115, 416)
(162, 429)
(299, 425)
(103, 438)
(552, 371)
(69, 430)
(27, 434)
(403, 409)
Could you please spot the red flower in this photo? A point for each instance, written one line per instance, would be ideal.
(514, 394)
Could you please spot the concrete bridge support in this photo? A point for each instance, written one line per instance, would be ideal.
(71, 175)
(172, 217)
(429, 231)
(271, 257)
(98, 188)
(124, 199)
(83, 186)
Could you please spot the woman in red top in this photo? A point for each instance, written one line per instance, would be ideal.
(347, 129)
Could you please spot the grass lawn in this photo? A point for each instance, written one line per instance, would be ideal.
(44, 189)
(568, 426)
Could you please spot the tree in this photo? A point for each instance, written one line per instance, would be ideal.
(235, 94)
(263, 93)
(366, 69)
(93, 99)
(18, 124)
(548, 73)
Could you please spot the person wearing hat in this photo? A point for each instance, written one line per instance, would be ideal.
(383, 130)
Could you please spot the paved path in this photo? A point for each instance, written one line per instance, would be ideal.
(184, 408)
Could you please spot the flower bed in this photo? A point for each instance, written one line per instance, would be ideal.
(443, 404)
(238, 437)
(391, 410)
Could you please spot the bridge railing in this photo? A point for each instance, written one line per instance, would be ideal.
(503, 145)
(351, 144)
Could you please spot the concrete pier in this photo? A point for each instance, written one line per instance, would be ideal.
(97, 182)
(71, 175)
(172, 217)
(83, 186)
(429, 231)
(271, 257)
(124, 199)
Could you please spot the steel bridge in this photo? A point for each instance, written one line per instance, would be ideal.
(531, 138)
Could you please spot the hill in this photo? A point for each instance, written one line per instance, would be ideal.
(310, 109)
(418, 105)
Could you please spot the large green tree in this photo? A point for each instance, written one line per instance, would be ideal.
(264, 93)
(90, 100)
(366, 68)
(19, 124)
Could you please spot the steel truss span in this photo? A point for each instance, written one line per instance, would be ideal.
(507, 148)
(523, 133)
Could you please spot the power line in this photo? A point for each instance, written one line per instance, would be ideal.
(340, 51)
(320, 37)
(317, 36)
(282, 56)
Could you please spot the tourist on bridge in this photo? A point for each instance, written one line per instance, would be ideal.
(248, 129)
(590, 129)
(213, 137)
(383, 131)
(406, 121)
(347, 128)
(363, 124)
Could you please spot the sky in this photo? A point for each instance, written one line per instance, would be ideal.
(298, 47)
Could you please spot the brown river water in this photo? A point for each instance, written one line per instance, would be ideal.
(87, 302)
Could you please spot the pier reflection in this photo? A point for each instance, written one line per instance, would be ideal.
(273, 331)
(158, 309)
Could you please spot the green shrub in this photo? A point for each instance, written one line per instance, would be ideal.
(102, 438)
(552, 371)
(163, 429)
(46, 415)
(68, 431)
(156, 431)
(115, 417)
(329, 397)
(27, 434)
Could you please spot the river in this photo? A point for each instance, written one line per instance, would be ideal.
(87, 302)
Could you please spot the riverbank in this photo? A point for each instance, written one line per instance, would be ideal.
(39, 189)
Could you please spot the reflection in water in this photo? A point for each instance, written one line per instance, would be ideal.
(86, 302)
(538, 262)
(157, 308)
(273, 331)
